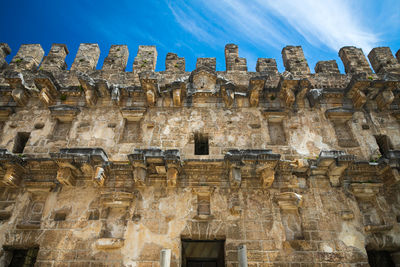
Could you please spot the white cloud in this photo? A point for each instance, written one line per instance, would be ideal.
(324, 23)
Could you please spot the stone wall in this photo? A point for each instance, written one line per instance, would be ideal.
(108, 168)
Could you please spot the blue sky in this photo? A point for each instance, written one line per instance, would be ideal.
(201, 28)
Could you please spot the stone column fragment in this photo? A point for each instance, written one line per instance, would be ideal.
(383, 61)
(165, 258)
(327, 67)
(28, 57)
(117, 58)
(232, 59)
(173, 63)
(294, 60)
(242, 256)
(354, 60)
(86, 58)
(55, 60)
(267, 65)
(4, 51)
(209, 62)
(146, 58)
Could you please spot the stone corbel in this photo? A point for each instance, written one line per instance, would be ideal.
(289, 201)
(13, 176)
(89, 87)
(302, 90)
(384, 99)
(333, 164)
(256, 85)
(139, 173)
(66, 176)
(173, 166)
(149, 83)
(115, 95)
(267, 173)
(99, 176)
(228, 94)
(355, 90)
(48, 89)
(286, 91)
(19, 93)
(235, 176)
(178, 93)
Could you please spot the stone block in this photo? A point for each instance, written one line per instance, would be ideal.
(383, 61)
(232, 59)
(294, 60)
(86, 58)
(117, 58)
(327, 67)
(28, 57)
(146, 58)
(173, 63)
(354, 60)
(55, 60)
(4, 51)
(267, 65)
(209, 62)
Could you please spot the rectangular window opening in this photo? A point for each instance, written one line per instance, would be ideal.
(380, 258)
(201, 144)
(203, 205)
(384, 144)
(344, 135)
(60, 216)
(20, 142)
(61, 130)
(20, 257)
(276, 133)
(131, 132)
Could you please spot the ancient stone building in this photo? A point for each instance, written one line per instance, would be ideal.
(202, 168)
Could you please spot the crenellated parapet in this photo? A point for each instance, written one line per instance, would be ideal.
(51, 82)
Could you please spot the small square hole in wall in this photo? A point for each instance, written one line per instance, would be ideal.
(201, 144)
(398, 218)
(131, 132)
(94, 215)
(20, 142)
(60, 216)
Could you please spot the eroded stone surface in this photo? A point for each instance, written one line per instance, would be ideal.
(107, 167)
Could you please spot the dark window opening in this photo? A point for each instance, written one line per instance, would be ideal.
(205, 253)
(384, 144)
(60, 216)
(201, 144)
(4, 216)
(94, 215)
(380, 259)
(20, 141)
(398, 218)
(21, 257)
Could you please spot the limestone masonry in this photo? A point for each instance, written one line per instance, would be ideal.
(201, 169)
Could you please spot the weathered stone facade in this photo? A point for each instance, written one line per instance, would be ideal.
(114, 168)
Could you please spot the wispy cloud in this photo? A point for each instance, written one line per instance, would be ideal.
(329, 23)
